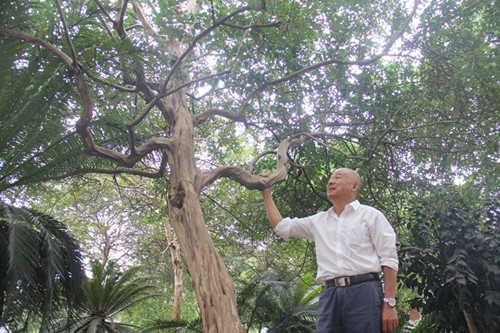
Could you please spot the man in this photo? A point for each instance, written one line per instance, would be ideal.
(354, 244)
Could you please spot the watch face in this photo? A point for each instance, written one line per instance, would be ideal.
(390, 301)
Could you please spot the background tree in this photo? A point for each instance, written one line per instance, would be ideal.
(453, 259)
(175, 91)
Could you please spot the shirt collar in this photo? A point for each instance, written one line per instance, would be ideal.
(354, 205)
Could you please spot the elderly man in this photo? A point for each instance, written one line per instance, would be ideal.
(354, 244)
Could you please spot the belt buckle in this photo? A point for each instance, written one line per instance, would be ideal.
(342, 282)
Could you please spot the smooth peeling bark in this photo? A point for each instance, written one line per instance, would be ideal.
(215, 291)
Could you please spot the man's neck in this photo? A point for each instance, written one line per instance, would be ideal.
(339, 205)
(338, 209)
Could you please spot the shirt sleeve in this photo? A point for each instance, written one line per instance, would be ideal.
(294, 227)
(384, 240)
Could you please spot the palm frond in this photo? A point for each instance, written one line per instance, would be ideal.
(38, 108)
(43, 266)
(270, 300)
(108, 293)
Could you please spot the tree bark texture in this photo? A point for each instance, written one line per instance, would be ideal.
(175, 253)
(215, 291)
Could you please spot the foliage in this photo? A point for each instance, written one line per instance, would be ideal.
(106, 295)
(106, 208)
(268, 300)
(452, 258)
(424, 325)
(174, 327)
(42, 271)
(404, 108)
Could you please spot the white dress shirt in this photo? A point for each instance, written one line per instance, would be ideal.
(359, 241)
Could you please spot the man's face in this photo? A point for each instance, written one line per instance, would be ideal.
(341, 186)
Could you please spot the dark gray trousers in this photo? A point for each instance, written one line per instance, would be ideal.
(353, 309)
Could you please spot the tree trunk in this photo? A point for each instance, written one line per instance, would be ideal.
(214, 287)
(175, 253)
(215, 291)
(470, 322)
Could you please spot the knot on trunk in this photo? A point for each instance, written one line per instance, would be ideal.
(176, 196)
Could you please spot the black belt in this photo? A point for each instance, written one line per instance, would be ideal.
(345, 281)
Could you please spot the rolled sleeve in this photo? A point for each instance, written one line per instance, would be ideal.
(384, 239)
(294, 227)
(283, 229)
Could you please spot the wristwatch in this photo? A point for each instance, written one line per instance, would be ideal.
(390, 301)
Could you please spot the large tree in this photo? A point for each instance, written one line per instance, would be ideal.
(158, 88)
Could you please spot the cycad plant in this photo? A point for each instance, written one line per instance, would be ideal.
(280, 306)
(41, 269)
(108, 293)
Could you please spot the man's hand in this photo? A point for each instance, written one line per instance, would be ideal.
(390, 320)
(272, 211)
(268, 190)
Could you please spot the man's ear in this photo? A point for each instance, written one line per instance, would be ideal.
(355, 187)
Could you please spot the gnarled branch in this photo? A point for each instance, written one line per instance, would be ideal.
(252, 182)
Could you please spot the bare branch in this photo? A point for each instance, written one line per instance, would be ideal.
(66, 34)
(140, 16)
(202, 117)
(123, 159)
(252, 182)
(258, 157)
(110, 84)
(283, 161)
(150, 106)
(253, 26)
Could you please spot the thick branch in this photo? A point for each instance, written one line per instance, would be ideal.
(202, 117)
(252, 182)
(123, 159)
